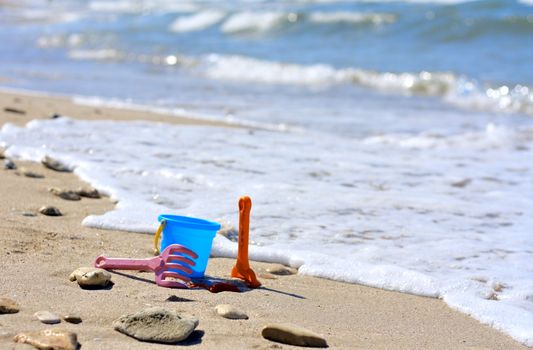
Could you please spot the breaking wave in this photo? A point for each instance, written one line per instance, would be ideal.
(197, 21)
(457, 90)
(256, 21)
(351, 17)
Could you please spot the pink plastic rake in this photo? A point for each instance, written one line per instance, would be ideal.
(167, 265)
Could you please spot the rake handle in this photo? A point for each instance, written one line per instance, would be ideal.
(150, 264)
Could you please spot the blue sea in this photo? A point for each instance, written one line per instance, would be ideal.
(387, 143)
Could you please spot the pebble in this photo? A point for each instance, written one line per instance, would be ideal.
(67, 195)
(56, 165)
(293, 335)
(281, 270)
(156, 325)
(47, 317)
(88, 192)
(29, 213)
(50, 211)
(8, 306)
(175, 298)
(49, 339)
(31, 174)
(91, 277)
(229, 231)
(462, 183)
(9, 164)
(230, 312)
(14, 110)
(71, 318)
(267, 276)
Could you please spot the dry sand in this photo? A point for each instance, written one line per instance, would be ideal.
(38, 254)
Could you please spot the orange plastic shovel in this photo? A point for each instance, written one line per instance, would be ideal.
(242, 268)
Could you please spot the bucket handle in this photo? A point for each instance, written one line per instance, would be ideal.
(158, 236)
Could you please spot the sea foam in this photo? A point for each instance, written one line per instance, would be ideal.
(255, 21)
(441, 215)
(197, 21)
(351, 17)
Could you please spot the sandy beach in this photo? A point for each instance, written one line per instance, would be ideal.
(39, 252)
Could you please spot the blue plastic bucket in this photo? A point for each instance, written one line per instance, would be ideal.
(195, 234)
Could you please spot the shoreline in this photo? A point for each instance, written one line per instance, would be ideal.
(40, 252)
(28, 105)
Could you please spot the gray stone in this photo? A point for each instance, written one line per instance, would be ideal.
(229, 231)
(91, 277)
(230, 312)
(156, 325)
(8, 306)
(293, 335)
(49, 339)
(88, 192)
(72, 318)
(267, 276)
(462, 183)
(281, 270)
(64, 194)
(56, 165)
(9, 164)
(29, 213)
(47, 317)
(31, 174)
(50, 211)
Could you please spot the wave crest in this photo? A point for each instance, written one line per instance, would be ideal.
(256, 21)
(351, 17)
(249, 69)
(197, 21)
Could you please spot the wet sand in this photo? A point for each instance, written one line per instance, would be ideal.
(38, 253)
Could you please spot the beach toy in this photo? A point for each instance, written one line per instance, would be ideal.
(242, 268)
(195, 234)
(175, 262)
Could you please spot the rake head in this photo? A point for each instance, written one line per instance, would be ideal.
(174, 269)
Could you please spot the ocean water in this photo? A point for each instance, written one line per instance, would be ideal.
(387, 143)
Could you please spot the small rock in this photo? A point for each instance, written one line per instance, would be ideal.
(462, 183)
(231, 312)
(56, 165)
(31, 174)
(71, 318)
(47, 317)
(293, 335)
(55, 116)
(9, 164)
(50, 211)
(229, 231)
(49, 339)
(91, 277)
(156, 325)
(67, 195)
(281, 270)
(175, 298)
(88, 192)
(29, 213)
(14, 110)
(267, 276)
(8, 306)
